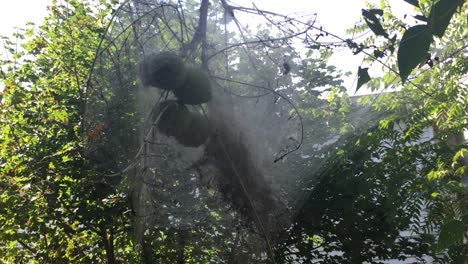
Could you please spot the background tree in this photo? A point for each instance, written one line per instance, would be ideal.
(398, 151)
(55, 207)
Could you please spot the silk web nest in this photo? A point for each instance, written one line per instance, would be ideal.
(190, 86)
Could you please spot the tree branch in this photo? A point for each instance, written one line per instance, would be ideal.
(200, 34)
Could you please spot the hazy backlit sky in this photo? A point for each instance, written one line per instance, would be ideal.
(15, 13)
(334, 15)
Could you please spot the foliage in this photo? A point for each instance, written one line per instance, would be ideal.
(416, 40)
(52, 205)
(390, 192)
(413, 49)
(433, 99)
(72, 122)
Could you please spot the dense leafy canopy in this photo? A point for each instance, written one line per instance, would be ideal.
(363, 181)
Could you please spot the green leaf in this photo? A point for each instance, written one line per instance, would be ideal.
(375, 12)
(459, 156)
(373, 22)
(450, 234)
(440, 15)
(412, 2)
(421, 18)
(60, 116)
(363, 77)
(413, 49)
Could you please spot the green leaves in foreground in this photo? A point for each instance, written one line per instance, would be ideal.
(413, 49)
(363, 77)
(416, 40)
(450, 233)
(373, 22)
(441, 13)
(413, 2)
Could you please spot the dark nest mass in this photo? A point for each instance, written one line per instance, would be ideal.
(164, 70)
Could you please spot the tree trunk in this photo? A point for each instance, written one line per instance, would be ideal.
(108, 240)
(181, 250)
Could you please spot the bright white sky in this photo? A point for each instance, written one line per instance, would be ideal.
(334, 15)
(15, 13)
